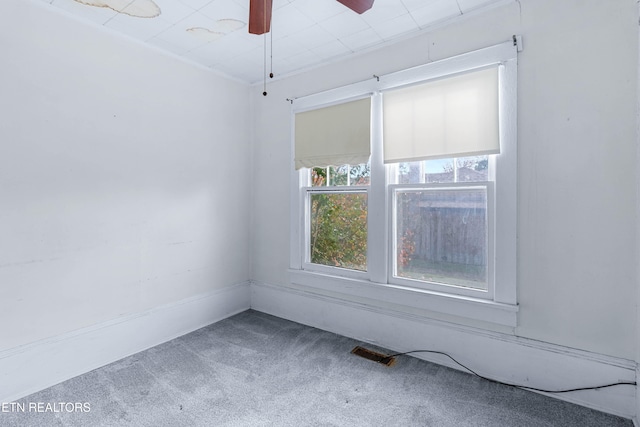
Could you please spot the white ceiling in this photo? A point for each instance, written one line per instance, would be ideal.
(304, 32)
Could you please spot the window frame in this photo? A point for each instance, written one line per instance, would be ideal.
(498, 306)
(306, 263)
(434, 286)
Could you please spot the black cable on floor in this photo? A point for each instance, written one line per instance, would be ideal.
(509, 384)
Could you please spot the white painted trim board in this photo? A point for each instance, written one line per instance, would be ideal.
(33, 367)
(500, 356)
(636, 423)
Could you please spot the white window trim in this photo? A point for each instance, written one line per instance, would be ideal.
(501, 307)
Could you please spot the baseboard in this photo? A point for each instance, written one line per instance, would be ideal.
(636, 423)
(33, 367)
(500, 356)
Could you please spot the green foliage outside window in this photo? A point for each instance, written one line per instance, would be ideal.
(339, 230)
(338, 227)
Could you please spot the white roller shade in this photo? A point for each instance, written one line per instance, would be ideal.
(450, 117)
(334, 135)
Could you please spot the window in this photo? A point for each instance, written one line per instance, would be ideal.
(440, 224)
(429, 221)
(336, 217)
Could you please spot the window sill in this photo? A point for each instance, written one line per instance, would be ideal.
(455, 305)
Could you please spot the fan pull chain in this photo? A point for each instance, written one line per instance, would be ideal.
(271, 52)
(264, 93)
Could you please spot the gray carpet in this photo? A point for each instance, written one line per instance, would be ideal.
(258, 370)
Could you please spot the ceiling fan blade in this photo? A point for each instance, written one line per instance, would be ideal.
(358, 6)
(260, 16)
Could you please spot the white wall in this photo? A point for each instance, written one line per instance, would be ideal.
(577, 220)
(122, 186)
(638, 238)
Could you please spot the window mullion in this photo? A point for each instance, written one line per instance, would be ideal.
(378, 222)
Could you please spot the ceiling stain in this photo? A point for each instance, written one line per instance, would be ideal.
(220, 28)
(135, 8)
(205, 33)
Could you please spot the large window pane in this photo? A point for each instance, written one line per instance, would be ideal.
(338, 229)
(441, 236)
